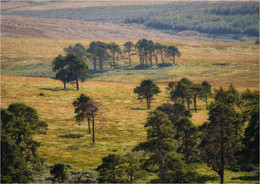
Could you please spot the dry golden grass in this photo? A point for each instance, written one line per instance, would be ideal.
(119, 126)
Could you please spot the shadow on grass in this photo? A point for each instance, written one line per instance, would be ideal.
(137, 108)
(246, 178)
(56, 89)
(205, 178)
(71, 136)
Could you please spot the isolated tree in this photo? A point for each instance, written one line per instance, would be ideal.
(206, 92)
(70, 68)
(77, 68)
(128, 48)
(147, 90)
(196, 92)
(82, 109)
(87, 108)
(173, 52)
(110, 171)
(58, 172)
(221, 138)
(114, 50)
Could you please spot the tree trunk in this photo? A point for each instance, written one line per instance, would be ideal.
(188, 103)
(148, 103)
(186, 149)
(114, 63)
(89, 131)
(64, 85)
(151, 59)
(195, 103)
(93, 128)
(156, 59)
(222, 154)
(77, 83)
(129, 57)
(101, 65)
(206, 103)
(162, 58)
(173, 59)
(95, 64)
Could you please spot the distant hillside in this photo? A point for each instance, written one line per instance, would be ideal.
(224, 21)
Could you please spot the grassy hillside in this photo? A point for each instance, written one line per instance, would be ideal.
(119, 126)
(219, 63)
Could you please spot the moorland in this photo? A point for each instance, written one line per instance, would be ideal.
(35, 33)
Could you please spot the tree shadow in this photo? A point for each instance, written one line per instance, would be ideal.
(137, 108)
(204, 178)
(246, 178)
(56, 89)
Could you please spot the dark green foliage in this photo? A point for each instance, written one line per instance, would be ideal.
(230, 97)
(18, 149)
(110, 171)
(182, 91)
(14, 168)
(70, 68)
(98, 53)
(115, 51)
(187, 136)
(20, 123)
(206, 92)
(196, 92)
(175, 112)
(251, 139)
(86, 108)
(79, 50)
(147, 90)
(221, 139)
(173, 52)
(128, 48)
(132, 164)
(59, 173)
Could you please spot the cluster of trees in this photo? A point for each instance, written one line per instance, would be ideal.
(181, 91)
(19, 123)
(175, 145)
(73, 67)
